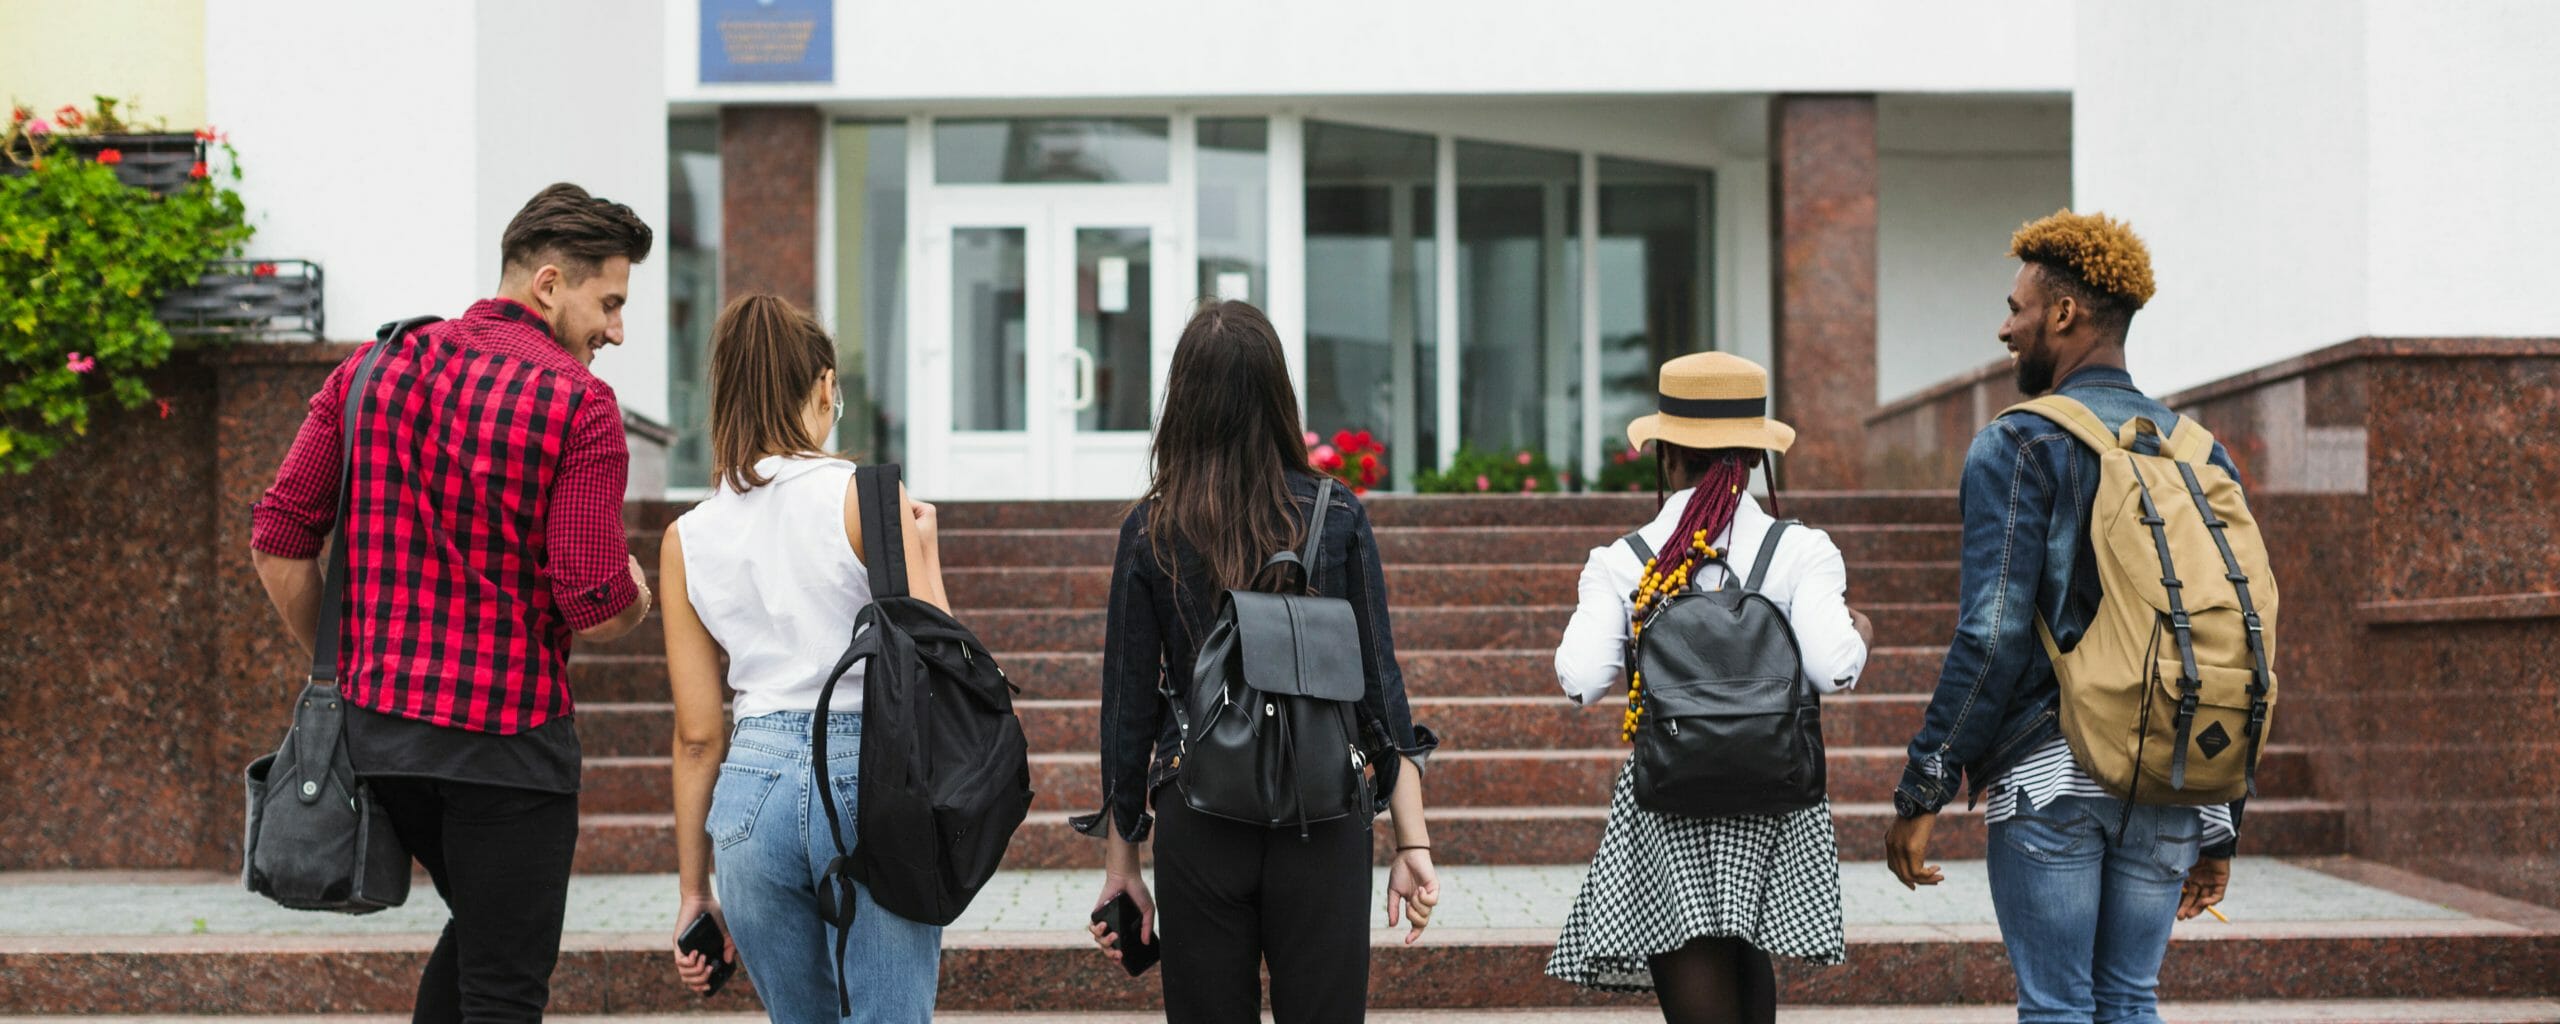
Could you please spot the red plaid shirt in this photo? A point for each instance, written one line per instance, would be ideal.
(486, 520)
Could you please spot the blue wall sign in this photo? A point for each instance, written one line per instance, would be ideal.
(768, 41)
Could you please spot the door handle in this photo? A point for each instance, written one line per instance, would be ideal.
(1081, 398)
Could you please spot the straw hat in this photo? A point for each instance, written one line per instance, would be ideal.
(1713, 400)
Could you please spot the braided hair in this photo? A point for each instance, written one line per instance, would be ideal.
(1722, 473)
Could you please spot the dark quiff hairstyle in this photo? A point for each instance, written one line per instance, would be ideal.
(564, 225)
(2094, 259)
(767, 356)
(1226, 445)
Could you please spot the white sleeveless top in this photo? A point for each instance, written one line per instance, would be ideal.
(771, 575)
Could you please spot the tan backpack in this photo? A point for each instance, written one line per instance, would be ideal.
(2166, 698)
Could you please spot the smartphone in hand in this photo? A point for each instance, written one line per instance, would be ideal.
(704, 936)
(1120, 917)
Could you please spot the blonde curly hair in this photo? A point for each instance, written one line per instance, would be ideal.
(2095, 251)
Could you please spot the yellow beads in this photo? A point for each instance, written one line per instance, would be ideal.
(1652, 586)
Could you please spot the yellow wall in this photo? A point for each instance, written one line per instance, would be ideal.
(148, 54)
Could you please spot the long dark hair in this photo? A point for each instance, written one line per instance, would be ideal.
(1225, 446)
(767, 355)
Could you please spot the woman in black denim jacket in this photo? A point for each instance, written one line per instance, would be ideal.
(1232, 486)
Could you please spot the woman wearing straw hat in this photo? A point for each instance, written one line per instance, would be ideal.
(1692, 908)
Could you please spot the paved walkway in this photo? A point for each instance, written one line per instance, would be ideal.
(2464, 1011)
(1534, 897)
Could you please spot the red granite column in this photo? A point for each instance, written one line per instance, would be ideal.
(769, 201)
(1822, 234)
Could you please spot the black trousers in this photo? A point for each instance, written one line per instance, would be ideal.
(500, 858)
(1232, 896)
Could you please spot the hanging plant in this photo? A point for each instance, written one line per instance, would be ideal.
(88, 257)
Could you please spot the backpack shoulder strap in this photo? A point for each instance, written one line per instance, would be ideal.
(884, 549)
(1634, 540)
(1306, 560)
(1768, 553)
(2067, 413)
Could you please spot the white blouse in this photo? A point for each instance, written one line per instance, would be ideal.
(1808, 580)
(776, 583)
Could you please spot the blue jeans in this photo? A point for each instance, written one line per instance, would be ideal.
(2086, 897)
(771, 845)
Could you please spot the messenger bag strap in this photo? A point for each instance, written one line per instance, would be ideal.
(324, 643)
(1768, 553)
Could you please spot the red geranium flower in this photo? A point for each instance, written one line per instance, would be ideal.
(17, 114)
(164, 407)
(69, 116)
(204, 134)
(263, 270)
(198, 171)
(111, 156)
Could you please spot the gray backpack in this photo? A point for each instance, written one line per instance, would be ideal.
(1730, 726)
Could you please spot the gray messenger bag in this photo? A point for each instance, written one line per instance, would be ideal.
(316, 837)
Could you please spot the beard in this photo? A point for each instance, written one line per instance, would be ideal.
(2034, 369)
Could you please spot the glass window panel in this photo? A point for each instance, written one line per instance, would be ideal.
(1030, 150)
(1113, 268)
(988, 335)
(1372, 361)
(1235, 185)
(1654, 293)
(693, 292)
(871, 287)
(1519, 300)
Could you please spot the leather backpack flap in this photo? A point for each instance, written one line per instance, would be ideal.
(1299, 646)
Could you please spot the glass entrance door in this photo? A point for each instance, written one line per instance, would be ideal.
(1058, 313)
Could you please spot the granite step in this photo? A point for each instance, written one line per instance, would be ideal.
(1820, 508)
(1421, 627)
(2317, 1011)
(1464, 723)
(1411, 586)
(1520, 672)
(2301, 933)
(643, 843)
(1434, 545)
(1459, 778)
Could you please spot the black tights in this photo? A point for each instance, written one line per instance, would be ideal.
(1716, 980)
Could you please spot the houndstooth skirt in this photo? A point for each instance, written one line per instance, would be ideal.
(1661, 880)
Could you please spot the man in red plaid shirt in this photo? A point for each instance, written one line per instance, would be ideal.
(484, 531)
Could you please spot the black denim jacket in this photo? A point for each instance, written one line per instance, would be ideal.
(1154, 632)
(2027, 489)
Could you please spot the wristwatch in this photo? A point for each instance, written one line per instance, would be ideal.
(1904, 805)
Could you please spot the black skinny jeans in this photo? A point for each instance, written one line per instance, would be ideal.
(500, 858)
(1231, 895)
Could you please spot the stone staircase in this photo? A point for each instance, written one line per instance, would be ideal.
(1481, 588)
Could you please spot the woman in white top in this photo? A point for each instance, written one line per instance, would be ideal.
(766, 571)
(1690, 908)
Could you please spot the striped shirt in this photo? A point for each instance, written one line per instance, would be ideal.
(2050, 773)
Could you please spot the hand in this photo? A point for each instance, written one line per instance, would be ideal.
(1413, 890)
(1113, 884)
(2205, 885)
(1866, 627)
(928, 519)
(693, 968)
(1906, 851)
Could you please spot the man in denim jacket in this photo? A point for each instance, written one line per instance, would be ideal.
(2086, 887)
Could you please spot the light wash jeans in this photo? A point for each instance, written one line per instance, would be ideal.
(2086, 897)
(771, 846)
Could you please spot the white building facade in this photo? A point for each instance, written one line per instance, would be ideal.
(1476, 225)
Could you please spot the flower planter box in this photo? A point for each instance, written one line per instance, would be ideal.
(248, 299)
(162, 162)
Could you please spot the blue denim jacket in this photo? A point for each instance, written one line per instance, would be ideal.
(2027, 489)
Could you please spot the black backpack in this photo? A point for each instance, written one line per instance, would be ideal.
(1730, 726)
(945, 773)
(1269, 731)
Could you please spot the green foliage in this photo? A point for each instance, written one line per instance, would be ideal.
(1629, 469)
(87, 258)
(1477, 472)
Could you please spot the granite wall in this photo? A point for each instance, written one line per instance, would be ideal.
(1918, 442)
